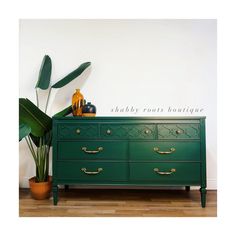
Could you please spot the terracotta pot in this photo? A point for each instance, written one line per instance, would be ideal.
(40, 190)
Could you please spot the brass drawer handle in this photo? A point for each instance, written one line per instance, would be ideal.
(92, 172)
(99, 149)
(156, 149)
(147, 131)
(163, 172)
(78, 131)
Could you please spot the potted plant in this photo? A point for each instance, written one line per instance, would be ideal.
(35, 126)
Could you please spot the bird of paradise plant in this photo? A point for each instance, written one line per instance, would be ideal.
(35, 126)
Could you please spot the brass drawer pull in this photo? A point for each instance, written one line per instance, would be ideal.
(163, 172)
(99, 149)
(147, 131)
(78, 131)
(156, 149)
(92, 172)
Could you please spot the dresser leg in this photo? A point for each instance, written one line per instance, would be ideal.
(187, 188)
(55, 194)
(66, 187)
(203, 196)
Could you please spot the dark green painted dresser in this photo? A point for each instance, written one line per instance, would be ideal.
(135, 152)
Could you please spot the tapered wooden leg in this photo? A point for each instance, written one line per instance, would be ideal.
(203, 196)
(187, 188)
(66, 187)
(55, 194)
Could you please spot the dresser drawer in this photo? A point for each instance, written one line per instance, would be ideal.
(166, 173)
(128, 131)
(77, 131)
(178, 131)
(85, 171)
(92, 150)
(165, 151)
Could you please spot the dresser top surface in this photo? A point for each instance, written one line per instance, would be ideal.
(131, 118)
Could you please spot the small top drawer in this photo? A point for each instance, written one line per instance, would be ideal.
(77, 131)
(178, 131)
(128, 131)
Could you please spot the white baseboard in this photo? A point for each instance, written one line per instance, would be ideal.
(24, 182)
(211, 184)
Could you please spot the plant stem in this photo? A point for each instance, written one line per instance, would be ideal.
(49, 93)
(47, 161)
(40, 158)
(32, 151)
(37, 97)
(31, 145)
(43, 157)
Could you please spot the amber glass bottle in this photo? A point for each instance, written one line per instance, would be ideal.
(77, 103)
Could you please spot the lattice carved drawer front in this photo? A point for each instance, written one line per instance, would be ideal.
(128, 131)
(77, 131)
(178, 131)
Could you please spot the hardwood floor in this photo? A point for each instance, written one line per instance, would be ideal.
(117, 202)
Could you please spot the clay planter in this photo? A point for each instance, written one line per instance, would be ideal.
(40, 190)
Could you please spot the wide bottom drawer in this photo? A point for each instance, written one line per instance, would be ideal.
(166, 173)
(92, 171)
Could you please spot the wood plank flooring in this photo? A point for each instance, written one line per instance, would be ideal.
(120, 203)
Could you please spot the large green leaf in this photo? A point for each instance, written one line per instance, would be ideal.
(64, 112)
(31, 115)
(24, 130)
(35, 139)
(44, 73)
(67, 79)
(47, 136)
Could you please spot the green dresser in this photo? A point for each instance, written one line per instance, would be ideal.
(135, 152)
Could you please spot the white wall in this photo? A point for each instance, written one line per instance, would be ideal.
(140, 63)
